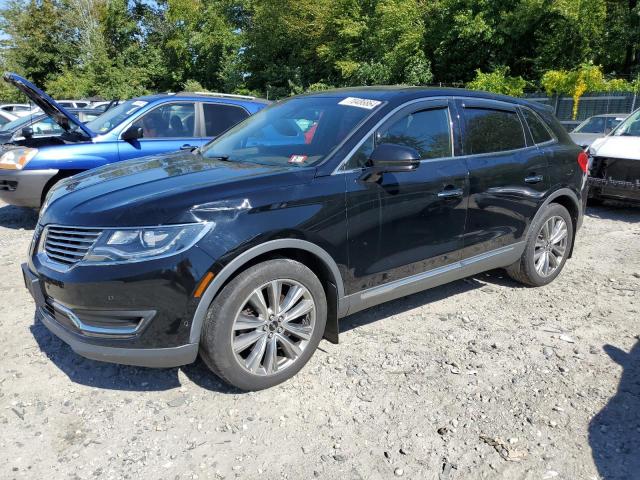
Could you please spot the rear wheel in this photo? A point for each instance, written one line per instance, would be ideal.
(548, 244)
(265, 324)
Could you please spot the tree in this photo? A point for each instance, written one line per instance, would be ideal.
(498, 81)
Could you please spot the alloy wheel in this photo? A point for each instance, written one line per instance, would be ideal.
(551, 246)
(273, 327)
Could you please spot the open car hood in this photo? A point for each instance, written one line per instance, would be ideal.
(48, 105)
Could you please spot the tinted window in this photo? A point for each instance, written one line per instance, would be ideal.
(612, 122)
(427, 131)
(218, 118)
(168, 121)
(539, 132)
(3, 121)
(591, 125)
(493, 130)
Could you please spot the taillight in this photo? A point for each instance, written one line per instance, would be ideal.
(583, 161)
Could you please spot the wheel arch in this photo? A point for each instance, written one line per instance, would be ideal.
(312, 255)
(569, 200)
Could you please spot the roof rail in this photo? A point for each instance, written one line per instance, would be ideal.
(218, 94)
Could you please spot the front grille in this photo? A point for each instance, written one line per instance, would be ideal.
(69, 245)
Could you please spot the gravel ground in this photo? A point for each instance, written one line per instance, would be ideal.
(477, 379)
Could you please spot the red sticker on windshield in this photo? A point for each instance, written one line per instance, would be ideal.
(297, 158)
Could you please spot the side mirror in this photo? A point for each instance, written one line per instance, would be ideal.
(390, 158)
(132, 133)
(27, 132)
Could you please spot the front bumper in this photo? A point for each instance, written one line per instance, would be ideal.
(139, 314)
(23, 188)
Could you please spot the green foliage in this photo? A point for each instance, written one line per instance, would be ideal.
(123, 48)
(498, 81)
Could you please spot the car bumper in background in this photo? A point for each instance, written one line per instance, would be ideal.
(23, 188)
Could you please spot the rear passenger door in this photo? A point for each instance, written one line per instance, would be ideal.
(167, 128)
(218, 117)
(507, 175)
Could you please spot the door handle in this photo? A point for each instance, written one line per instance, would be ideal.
(186, 146)
(534, 179)
(450, 192)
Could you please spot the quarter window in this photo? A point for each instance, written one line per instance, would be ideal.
(169, 121)
(218, 118)
(539, 132)
(426, 131)
(493, 130)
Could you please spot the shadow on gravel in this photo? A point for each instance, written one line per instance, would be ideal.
(373, 314)
(623, 213)
(614, 433)
(120, 377)
(18, 217)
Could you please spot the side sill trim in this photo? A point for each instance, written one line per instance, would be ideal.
(498, 258)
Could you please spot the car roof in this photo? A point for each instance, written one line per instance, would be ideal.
(610, 115)
(401, 94)
(208, 96)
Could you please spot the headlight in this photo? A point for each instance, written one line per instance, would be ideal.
(17, 158)
(145, 243)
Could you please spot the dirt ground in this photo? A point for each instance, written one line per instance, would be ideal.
(477, 379)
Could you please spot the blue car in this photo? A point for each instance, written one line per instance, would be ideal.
(142, 126)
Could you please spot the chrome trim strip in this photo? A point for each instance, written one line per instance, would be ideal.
(497, 258)
(93, 331)
(374, 291)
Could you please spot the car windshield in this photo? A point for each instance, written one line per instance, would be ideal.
(115, 116)
(14, 124)
(592, 125)
(630, 127)
(301, 131)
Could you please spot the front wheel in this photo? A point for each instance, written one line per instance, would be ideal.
(265, 324)
(548, 244)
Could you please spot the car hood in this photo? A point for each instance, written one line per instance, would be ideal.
(585, 139)
(48, 105)
(617, 147)
(162, 189)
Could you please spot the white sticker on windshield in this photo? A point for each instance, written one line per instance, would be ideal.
(139, 103)
(360, 102)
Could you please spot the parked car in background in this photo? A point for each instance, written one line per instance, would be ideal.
(6, 117)
(74, 103)
(596, 127)
(40, 126)
(250, 254)
(15, 107)
(142, 126)
(615, 164)
(106, 105)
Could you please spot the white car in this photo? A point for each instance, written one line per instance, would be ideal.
(74, 103)
(6, 117)
(615, 163)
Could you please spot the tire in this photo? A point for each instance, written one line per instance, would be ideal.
(527, 270)
(238, 306)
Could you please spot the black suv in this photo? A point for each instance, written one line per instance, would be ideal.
(248, 250)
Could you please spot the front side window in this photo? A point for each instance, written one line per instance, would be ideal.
(116, 116)
(492, 131)
(46, 127)
(538, 131)
(218, 118)
(301, 131)
(168, 121)
(426, 131)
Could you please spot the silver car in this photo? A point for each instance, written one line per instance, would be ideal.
(596, 127)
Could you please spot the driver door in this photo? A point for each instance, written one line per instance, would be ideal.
(411, 222)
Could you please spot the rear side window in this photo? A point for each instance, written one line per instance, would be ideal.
(218, 118)
(539, 132)
(493, 130)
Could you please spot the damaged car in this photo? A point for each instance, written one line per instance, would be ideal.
(31, 164)
(615, 163)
